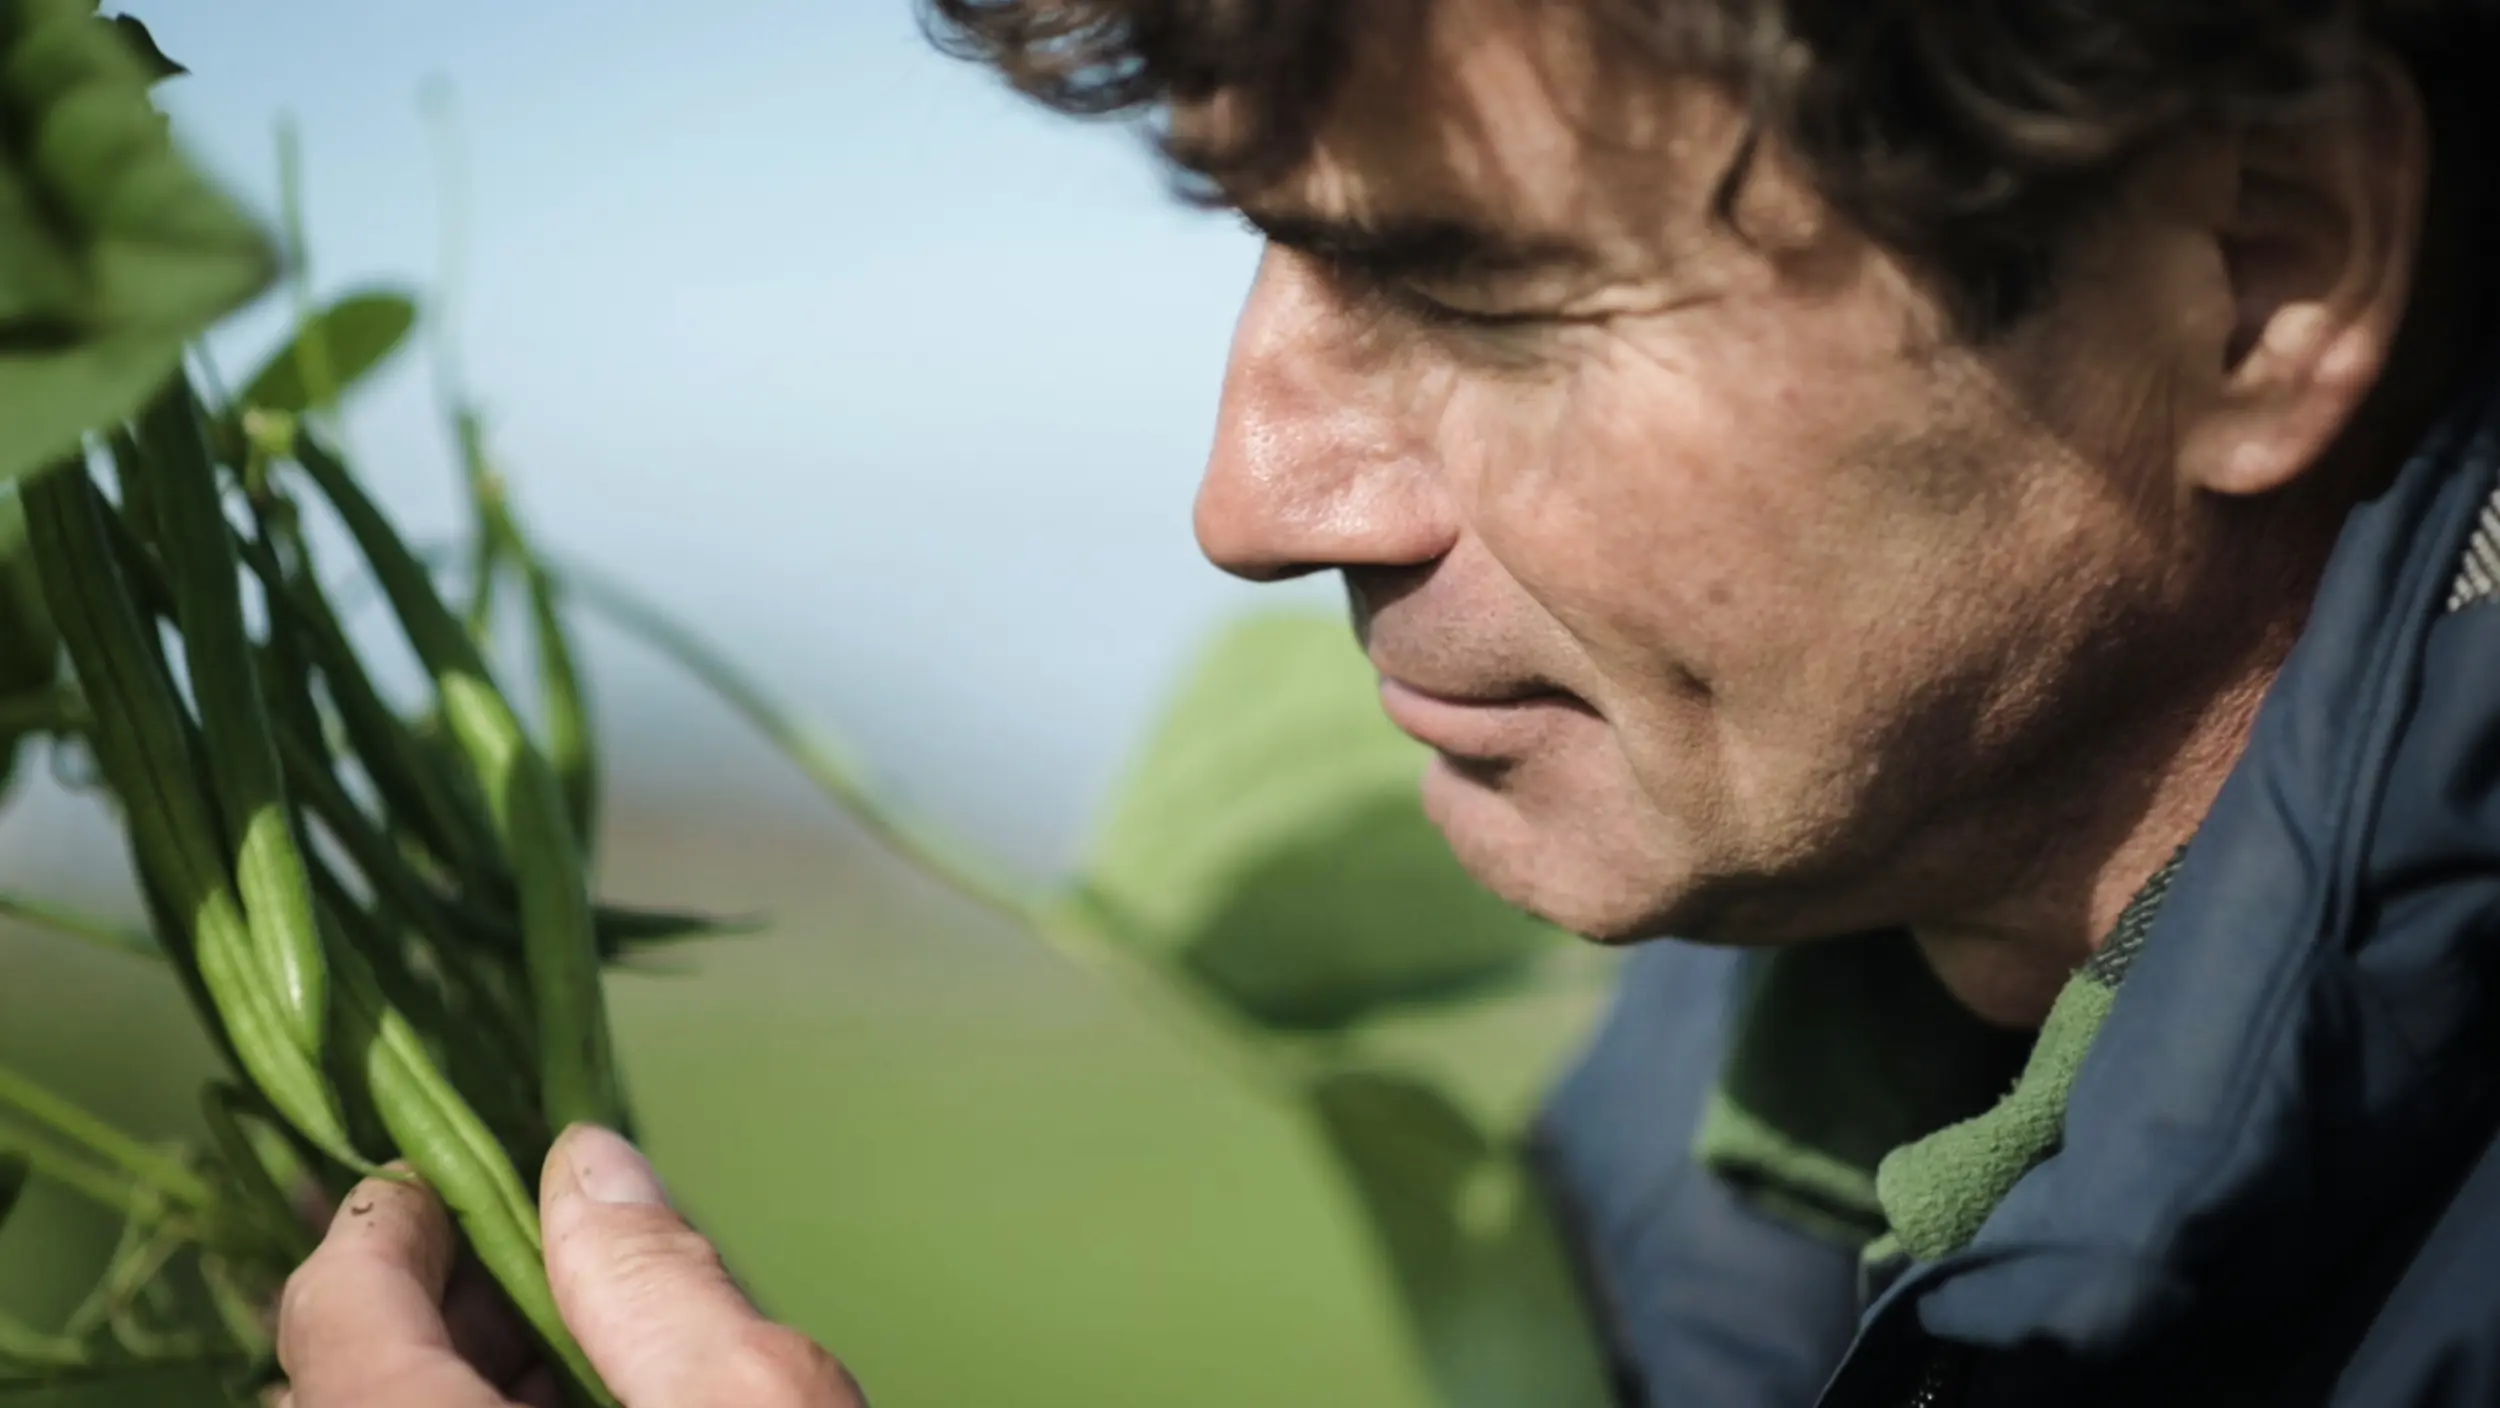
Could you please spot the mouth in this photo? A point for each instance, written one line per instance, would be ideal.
(1483, 726)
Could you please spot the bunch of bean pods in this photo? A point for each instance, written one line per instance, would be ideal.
(378, 906)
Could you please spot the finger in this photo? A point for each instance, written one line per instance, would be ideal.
(484, 1328)
(651, 1303)
(361, 1321)
(377, 1277)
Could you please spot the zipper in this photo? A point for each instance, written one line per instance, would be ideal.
(1940, 1382)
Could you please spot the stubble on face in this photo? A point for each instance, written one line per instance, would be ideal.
(1855, 622)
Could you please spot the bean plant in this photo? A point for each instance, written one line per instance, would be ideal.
(384, 911)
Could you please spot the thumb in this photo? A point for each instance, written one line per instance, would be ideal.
(650, 1301)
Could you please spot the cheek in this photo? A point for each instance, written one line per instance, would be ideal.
(1666, 513)
(1762, 562)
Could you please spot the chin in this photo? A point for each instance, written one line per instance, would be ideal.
(1583, 868)
(1592, 855)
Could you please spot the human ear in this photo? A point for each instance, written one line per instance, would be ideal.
(2319, 245)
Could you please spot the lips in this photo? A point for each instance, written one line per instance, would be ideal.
(1490, 725)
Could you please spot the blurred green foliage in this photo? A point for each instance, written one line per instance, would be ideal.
(1268, 841)
(988, 1194)
(1270, 846)
(347, 340)
(117, 251)
(984, 1179)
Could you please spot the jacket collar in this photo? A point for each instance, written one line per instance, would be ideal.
(2308, 1032)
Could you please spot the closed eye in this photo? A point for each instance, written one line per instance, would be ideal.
(1428, 311)
(1420, 254)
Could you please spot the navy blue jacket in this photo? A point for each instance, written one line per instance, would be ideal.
(2280, 1177)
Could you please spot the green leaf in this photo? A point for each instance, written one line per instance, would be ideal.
(626, 932)
(1270, 841)
(1482, 1278)
(358, 332)
(152, 60)
(114, 250)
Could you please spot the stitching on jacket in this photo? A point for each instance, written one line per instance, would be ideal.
(2480, 578)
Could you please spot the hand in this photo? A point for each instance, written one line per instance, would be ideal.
(382, 1317)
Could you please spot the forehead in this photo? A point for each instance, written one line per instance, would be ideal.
(1523, 115)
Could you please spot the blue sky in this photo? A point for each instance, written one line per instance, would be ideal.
(895, 385)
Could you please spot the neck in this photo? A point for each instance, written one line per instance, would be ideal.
(2132, 801)
(2130, 798)
(2008, 960)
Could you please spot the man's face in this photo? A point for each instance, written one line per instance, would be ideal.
(1738, 598)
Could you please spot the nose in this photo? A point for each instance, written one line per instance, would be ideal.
(1319, 462)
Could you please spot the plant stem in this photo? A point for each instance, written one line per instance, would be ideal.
(1177, 1002)
(1067, 929)
(951, 863)
(23, 1346)
(451, 186)
(97, 1308)
(97, 1186)
(312, 343)
(146, 1165)
(42, 914)
(491, 520)
(241, 1314)
(56, 711)
(138, 1282)
(89, 1370)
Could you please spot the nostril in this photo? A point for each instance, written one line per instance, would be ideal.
(1317, 462)
(1348, 511)
(1245, 536)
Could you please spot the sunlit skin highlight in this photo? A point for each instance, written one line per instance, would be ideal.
(1742, 598)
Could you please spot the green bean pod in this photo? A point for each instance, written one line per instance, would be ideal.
(174, 939)
(577, 1074)
(138, 503)
(488, 521)
(621, 931)
(375, 855)
(445, 820)
(443, 1139)
(571, 741)
(202, 567)
(476, 1052)
(141, 742)
(285, 671)
(572, 736)
(490, 994)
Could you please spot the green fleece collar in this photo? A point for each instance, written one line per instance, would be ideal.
(1861, 1103)
(1844, 1051)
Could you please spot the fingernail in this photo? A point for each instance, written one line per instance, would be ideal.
(608, 1170)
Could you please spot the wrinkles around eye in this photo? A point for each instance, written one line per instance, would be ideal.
(1515, 311)
(1443, 311)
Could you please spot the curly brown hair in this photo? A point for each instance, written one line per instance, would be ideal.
(1973, 137)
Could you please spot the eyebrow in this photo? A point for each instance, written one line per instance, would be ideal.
(1422, 248)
